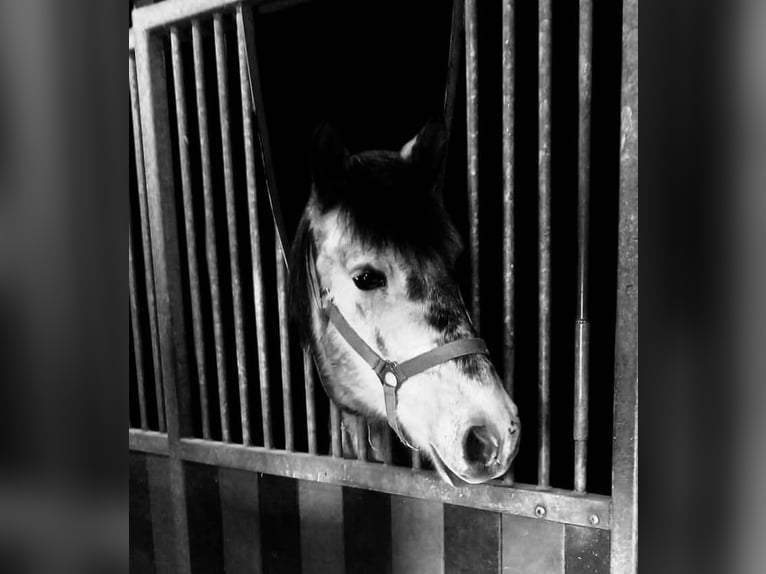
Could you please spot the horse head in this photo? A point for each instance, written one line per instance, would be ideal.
(373, 286)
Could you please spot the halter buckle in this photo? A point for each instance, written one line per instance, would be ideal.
(389, 374)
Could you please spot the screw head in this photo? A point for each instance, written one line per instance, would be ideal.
(540, 511)
(593, 519)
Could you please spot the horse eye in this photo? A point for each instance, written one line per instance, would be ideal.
(369, 279)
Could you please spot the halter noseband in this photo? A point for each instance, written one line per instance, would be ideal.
(392, 375)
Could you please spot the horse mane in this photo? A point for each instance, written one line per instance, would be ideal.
(303, 286)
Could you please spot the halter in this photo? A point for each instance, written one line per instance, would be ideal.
(392, 375)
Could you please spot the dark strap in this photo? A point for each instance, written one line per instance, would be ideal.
(441, 355)
(353, 338)
(393, 375)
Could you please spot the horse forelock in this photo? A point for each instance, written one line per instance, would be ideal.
(385, 202)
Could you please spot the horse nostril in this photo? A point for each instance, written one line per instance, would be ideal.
(480, 446)
(514, 428)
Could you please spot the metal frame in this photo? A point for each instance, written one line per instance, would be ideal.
(616, 513)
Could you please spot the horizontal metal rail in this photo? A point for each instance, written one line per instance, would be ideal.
(522, 500)
(151, 442)
(172, 12)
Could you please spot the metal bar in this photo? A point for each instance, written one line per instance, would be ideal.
(361, 438)
(582, 327)
(155, 123)
(244, 16)
(453, 63)
(255, 236)
(544, 247)
(308, 379)
(231, 225)
(388, 455)
(523, 500)
(148, 441)
(453, 73)
(625, 444)
(472, 128)
(508, 165)
(170, 12)
(508, 63)
(135, 323)
(191, 236)
(335, 440)
(211, 254)
(417, 463)
(146, 241)
(284, 346)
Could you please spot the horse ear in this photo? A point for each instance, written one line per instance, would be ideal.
(329, 159)
(426, 150)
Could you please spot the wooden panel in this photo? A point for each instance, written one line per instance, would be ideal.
(241, 525)
(321, 516)
(532, 546)
(471, 540)
(141, 553)
(587, 550)
(204, 512)
(280, 524)
(162, 514)
(367, 527)
(417, 536)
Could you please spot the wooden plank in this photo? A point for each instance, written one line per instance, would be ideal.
(586, 550)
(141, 547)
(532, 546)
(417, 536)
(280, 525)
(240, 519)
(321, 518)
(367, 531)
(162, 514)
(524, 500)
(471, 540)
(204, 512)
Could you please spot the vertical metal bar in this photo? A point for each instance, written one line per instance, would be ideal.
(155, 122)
(582, 327)
(544, 247)
(210, 236)
(191, 237)
(231, 219)
(417, 463)
(508, 64)
(284, 345)
(623, 557)
(361, 437)
(255, 237)
(246, 25)
(135, 323)
(508, 164)
(146, 241)
(388, 455)
(453, 73)
(472, 119)
(337, 449)
(308, 379)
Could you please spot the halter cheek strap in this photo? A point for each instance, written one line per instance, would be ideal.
(392, 375)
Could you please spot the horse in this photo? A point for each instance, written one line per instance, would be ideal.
(374, 295)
